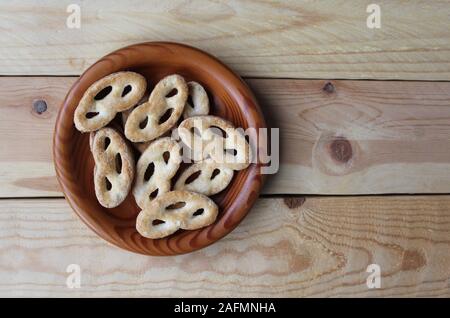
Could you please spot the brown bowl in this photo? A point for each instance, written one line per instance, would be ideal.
(230, 99)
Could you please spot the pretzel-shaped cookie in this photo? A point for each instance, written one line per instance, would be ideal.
(114, 167)
(176, 210)
(106, 97)
(152, 119)
(155, 168)
(200, 101)
(216, 138)
(140, 146)
(205, 177)
(199, 106)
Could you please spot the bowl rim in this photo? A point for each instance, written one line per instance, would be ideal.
(59, 169)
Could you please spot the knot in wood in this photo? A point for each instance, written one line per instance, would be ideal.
(341, 150)
(40, 106)
(329, 88)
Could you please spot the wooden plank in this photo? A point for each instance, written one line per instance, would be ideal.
(359, 137)
(295, 39)
(313, 247)
(356, 137)
(26, 166)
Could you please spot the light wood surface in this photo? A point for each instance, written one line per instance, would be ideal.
(359, 137)
(346, 137)
(295, 39)
(285, 247)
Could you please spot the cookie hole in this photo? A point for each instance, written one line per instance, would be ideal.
(172, 93)
(175, 206)
(190, 102)
(195, 131)
(157, 222)
(90, 115)
(118, 163)
(192, 177)
(107, 142)
(154, 194)
(219, 131)
(198, 212)
(126, 90)
(165, 117)
(215, 173)
(108, 184)
(232, 152)
(166, 156)
(149, 171)
(103, 93)
(143, 123)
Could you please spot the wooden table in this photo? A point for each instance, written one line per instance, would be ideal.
(364, 118)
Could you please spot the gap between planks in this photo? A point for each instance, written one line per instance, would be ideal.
(282, 196)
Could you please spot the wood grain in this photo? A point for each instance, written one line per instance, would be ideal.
(295, 39)
(359, 137)
(396, 132)
(26, 167)
(309, 247)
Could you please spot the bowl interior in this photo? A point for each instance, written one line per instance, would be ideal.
(230, 98)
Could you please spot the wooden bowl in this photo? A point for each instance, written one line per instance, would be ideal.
(230, 99)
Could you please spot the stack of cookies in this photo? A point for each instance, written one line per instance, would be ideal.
(169, 126)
